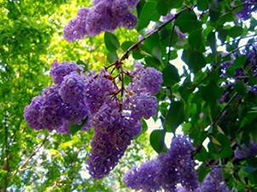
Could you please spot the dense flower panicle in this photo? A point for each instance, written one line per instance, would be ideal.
(165, 172)
(213, 182)
(105, 15)
(246, 151)
(249, 7)
(75, 98)
(180, 153)
(50, 112)
(113, 134)
(32, 113)
(76, 113)
(99, 18)
(98, 90)
(146, 79)
(60, 70)
(129, 20)
(143, 105)
(76, 28)
(73, 89)
(146, 177)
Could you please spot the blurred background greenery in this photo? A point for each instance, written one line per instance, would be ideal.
(30, 39)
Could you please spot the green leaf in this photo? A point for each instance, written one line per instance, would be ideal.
(194, 59)
(149, 13)
(144, 126)
(111, 41)
(75, 128)
(164, 6)
(211, 92)
(202, 4)
(137, 54)
(226, 150)
(127, 44)
(153, 46)
(195, 40)
(212, 42)
(202, 172)
(112, 56)
(240, 88)
(235, 31)
(170, 75)
(214, 10)
(187, 21)
(175, 116)
(152, 62)
(157, 141)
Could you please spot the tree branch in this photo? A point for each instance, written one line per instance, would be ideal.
(136, 45)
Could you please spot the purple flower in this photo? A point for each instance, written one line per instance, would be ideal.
(142, 105)
(100, 18)
(213, 182)
(73, 89)
(105, 15)
(249, 7)
(113, 133)
(98, 90)
(146, 79)
(60, 70)
(32, 113)
(165, 172)
(76, 29)
(129, 20)
(49, 111)
(146, 177)
(246, 151)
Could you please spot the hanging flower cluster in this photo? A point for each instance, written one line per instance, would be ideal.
(105, 15)
(77, 97)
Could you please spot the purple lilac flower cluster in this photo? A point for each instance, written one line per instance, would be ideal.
(75, 97)
(168, 170)
(248, 7)
(115, 128)
(60, 105)
(105, 15)
(246, 151)
(213, 182)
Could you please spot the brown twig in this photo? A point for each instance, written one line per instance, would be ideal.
(136, 45)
